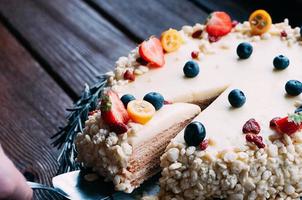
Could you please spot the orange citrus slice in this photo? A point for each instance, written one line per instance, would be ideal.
(140, 111)
(171, 40)
(260, 22)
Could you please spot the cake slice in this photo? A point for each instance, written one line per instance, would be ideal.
(129, 159)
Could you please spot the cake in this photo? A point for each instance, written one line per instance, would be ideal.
(228, 94)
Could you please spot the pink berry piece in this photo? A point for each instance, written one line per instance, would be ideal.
(204, 145)
(129, 75)
(283, 34)
(213, 38)
(194, 54)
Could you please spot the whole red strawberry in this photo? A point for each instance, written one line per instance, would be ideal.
(286, 126)
(219, 24)
(114, 113)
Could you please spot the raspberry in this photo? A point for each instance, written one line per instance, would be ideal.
(256, 139)
(251, 126)
(129, 75)
(194, 54)
(283, 34)
(273, 123)
(197, 34)
(213, 38)
(204, 145)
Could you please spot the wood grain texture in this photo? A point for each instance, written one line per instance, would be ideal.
(145, 18)
(75, 41)
(240, 10)
(32, 106)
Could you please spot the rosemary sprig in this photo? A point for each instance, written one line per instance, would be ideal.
(64, 138)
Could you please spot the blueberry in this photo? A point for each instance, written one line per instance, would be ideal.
(191, 69)
(298, 109)
(244, 50)
(156, 99)
(194, 134)
(127, 98)
(293, 87)
(281, 62)
(237, 98)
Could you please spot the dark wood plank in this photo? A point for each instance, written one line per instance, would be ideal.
(241, 10)
(75, 41)
(236, 9)
(31, 106)
(145, 18)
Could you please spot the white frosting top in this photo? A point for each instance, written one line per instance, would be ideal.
(221, 69)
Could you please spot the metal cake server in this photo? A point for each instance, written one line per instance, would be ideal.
(73, 185)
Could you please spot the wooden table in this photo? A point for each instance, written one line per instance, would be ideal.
(50, 48)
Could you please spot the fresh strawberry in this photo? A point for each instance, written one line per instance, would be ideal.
(219, 24)
(283, 125)
(114, 113)
(152, 51)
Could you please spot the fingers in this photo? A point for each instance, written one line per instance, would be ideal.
(12, 182)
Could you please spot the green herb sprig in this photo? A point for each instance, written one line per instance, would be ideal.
(64, 138)
(296, 118)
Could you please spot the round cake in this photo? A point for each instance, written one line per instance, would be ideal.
(225, 95)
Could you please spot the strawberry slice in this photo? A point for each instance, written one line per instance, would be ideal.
(152, 51)
(114, 113)
(219, 24)
(283, 125)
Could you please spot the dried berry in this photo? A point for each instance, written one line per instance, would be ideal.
(255, 139)
(204, 145)
(283, 34)
(194, 54)
(197, 34)
(129, 75)
(251, 126)
(273, 123)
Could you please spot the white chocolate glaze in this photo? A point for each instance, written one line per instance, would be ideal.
(255, 76)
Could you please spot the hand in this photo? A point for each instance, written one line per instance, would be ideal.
(12, 183)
